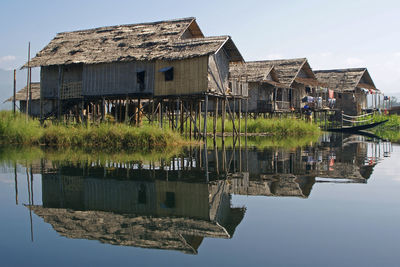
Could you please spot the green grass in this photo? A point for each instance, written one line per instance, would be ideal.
(274, 127)
(16, 130)
(263, 142)
(389, 130)
(60, 156)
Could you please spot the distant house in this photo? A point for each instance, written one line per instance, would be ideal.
(34, 109)
(292, 78)
(265, 92)
(165, 58)
(350, 86)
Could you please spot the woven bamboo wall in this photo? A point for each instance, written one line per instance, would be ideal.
(190, 77)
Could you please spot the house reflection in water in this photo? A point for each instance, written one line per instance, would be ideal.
(157, 214)
(175, 205)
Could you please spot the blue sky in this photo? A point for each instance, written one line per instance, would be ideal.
(331, 34)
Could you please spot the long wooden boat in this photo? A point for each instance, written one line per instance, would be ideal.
(357, 128)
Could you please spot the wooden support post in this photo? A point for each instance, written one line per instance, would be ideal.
(30, 92)
(239, 115)
(126, 110)
(115, 102)
(223, 112)
(190, 121)
(215, 117)
(93, 112)
(199, 114)
(15, 91)
(120, 110)
(245, 118)
(233, 118)
(195, 122)
(152, 117)
(205, 117)
(60, 71)
(160, 111)
(27, 80)
(181, 114)
(103, 104)
(82, 108)
(177, 113)
(139, 122)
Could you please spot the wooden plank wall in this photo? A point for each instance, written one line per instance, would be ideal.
(49, 81)
(257, 92)
(190, 77)
(191, 199)
(218, 72)
(117, 78)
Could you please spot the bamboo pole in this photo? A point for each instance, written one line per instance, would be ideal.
(181, 114)
(240, 114)
(190, 121)
(215, 117)
(14, 90)
(27, 80)
(205, 116)
(223, 111)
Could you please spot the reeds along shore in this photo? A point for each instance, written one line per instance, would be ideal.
(389, 130)
(15, 129)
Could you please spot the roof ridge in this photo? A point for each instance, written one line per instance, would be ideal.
(129, 25)
(342, 70)
(283, 59)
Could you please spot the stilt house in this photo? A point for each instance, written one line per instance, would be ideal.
(296, 80)
(350, 86)
(34, 97)
(138, 61)
(265, 92)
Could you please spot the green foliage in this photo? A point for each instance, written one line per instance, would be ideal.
(273, 127)
(60, 156)
(262, 142)
(17, 130)
(389, 130)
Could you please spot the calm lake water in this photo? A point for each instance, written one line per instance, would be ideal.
(334, 203)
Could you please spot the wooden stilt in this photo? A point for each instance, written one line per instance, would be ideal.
(223, 111)
(160, 115)
(205, 117)
(190, 121)
(15, 92)
(139, 122)
(126, 110)
(181, 114)
(215, 117)
(152, 117)
(239, 115)
(233, 117)
(120, 110)
(103, 104)
(199, 114)
(245, 119)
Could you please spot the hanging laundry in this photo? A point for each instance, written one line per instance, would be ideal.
(331, 93)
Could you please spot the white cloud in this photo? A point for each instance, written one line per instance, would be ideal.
(397, 54)
(354, 62)
(7, 58)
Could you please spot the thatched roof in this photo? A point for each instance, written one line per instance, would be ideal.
(343, 80)
(21, 94)
(173, 39)
(255, 73)
(171, 233)
(287, 70)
